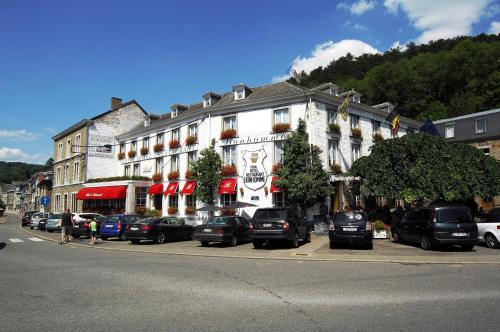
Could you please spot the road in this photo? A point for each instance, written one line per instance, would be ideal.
(45, 287)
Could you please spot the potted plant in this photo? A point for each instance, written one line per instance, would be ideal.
(334, 128)
(174, 144)
(377, 137)
(190, 140)
(132, 154)
(228, 133)
(189, 174)
(156, 177)
(356, 133)
(336, 169)
(227, 212)
(189, 210)
(172, 210)
(174, 175)
(228, 170)
(281, 127)
(140, 210)
(379, 230)
(158, 147)
(121, 155)
(276, 168)
(144, 151)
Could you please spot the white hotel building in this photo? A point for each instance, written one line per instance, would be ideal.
(249, 126)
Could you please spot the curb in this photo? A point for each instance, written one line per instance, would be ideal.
(295, 258)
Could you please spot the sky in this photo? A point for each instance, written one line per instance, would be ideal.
(62, 61)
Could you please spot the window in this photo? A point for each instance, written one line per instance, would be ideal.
(68, 148)
(78, 142)
(229, 155)
(485, 150)
(375, 126)
(76, 171)
(332, 152)
(145, 142)
(191, 201)
(59, 179)
(57, 203)
(66, 173)
(126, 171)
(137, 170)
(278, 151)
(174, 163)
(65, 202)
(279, 199)
(193, 130)
(229, 122)
(159, 138)
(133, 146)
(192, 156)
(122, 147)
(173, 200)
(480, 126)
(159, 166)
(206, 101)
(239, 94)
(449, 130)
(356, 152)
(226, 199)
(140, 196)
(59, 151)
(281, 116)
(354, 121)
(74, 203)
(176, 135)
(332, 115)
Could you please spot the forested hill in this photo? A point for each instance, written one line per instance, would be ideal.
(16, 171)
(441, 79)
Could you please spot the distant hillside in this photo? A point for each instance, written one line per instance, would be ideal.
(16, 171)
(440, 79)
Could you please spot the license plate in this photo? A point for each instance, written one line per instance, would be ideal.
(267, 225)
(133, 228)
(350, 229)
(459, 234)
(109, 226)
(207, 230)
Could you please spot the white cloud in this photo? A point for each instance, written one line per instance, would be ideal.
(439, 19)
(495, 27)
(15, 154)
(325, 53)
(362, 6)
(22, 134)
(492, 10)
(50, 130)
(342, 5)
(360, 27)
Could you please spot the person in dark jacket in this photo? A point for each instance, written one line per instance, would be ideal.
(398, 213)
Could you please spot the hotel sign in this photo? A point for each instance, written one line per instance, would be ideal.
(96, 146)
(255, 139)
(254, 175)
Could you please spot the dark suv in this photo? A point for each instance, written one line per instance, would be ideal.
(351, 227)
(437, 225)
(279, 224)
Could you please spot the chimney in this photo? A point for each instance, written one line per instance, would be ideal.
(115, 102)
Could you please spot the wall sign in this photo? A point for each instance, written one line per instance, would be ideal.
(96, 146)
(255, 139)
(254, 175)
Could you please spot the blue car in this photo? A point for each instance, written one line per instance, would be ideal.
(116, 226)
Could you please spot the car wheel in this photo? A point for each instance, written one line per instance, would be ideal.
(425, 243)
(76, 236)
(135, 241)
(332, 245)
(295, 241)
(307, 239)
(491, 241)
(31, 227)
(204, 243)
(234, 241)
(467, 247)
(50, 231)
(160, 238)
(257, 244)
(369, 246)
(396, 236)
(104, 238)
(122, 237)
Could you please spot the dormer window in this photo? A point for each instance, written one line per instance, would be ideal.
(174, 113)
(177, 109)
(147, 122)
(210, 98)
(240, 94)
(206, 102)
(241, 91)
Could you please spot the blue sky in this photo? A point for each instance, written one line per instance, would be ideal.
(62, 61)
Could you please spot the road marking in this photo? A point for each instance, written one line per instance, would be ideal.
(15, 240)
(35, 239)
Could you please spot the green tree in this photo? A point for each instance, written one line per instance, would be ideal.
(301, 175)
(207, 173)
(418, 167)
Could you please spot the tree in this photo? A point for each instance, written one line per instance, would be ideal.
(207, 173)
(49, 163)
(301, 174)
(418, 167)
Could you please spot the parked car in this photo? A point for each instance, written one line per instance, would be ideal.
(159, 230)
(42, 223)
(351, 227)
(81, 227)
(279, 224)
(226, 229)
(437, 225)
(26, 218)
(489, 229)
(35, 218)
(116, 225)
(53, 223)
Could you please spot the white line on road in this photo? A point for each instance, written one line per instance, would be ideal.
(15, 240)
(35, 239)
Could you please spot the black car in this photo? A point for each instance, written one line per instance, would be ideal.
(26, 218)
(159, 230)
(351, 227)
(226, 229)
(42, 224)
(82, 228)
(437, 225)
(279, 224)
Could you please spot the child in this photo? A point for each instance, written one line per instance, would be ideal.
(93, 232)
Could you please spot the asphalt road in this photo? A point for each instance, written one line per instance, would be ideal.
(49, 287)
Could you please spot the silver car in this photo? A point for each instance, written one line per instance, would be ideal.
(35, 219)
(53, 222)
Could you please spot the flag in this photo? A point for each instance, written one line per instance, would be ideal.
(343, 107)
(394, 119)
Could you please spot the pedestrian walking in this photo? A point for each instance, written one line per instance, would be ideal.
(66, 226)
(93, 232)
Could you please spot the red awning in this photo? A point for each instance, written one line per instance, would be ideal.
(227, 186)
(156, 189)
(111, 192)
(171, 188)
(188, 188)
(274, 188)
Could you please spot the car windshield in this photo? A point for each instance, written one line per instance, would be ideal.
(350, 216)
(270, 214)
(175, 221)
(112, 219)
(217, 221)
(455, 214)
(146, 220)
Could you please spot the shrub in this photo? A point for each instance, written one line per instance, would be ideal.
(228, 170)
(189, 174)
(334, 128)
(132, 154)
(158, 147)
(174, 144)
(378, 225)
(281, 127)
(144, 151)
(190, 140)
(121, 155)
(157, 177)
(356, 132)
(377, 137)
(228, 212)
(151, 213)
(172, 210)
(173, 175)
(228, 133)
(336, 168)
(190, 210)
(140, 210)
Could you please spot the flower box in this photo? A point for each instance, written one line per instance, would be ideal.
(336, 169)
(157, 177)
(121, 155)
(281, 127)
(356, 133)
(172, 210)
(189, 174)
(334, 128)
(173, 175)
(190, 140)
(174, 144)
(380, 234)
(144, 151)
(159, 147)
(228, 170)
(377, 137)
(228, 212)
(132, 154)
(228, 133)
(276, 168)
(189, 210)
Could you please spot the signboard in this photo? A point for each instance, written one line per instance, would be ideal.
(96, 145)
(254, 175)
(45, 200)
(255, 139)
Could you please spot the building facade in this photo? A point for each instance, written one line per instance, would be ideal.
(39, 192)
(481, 130)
